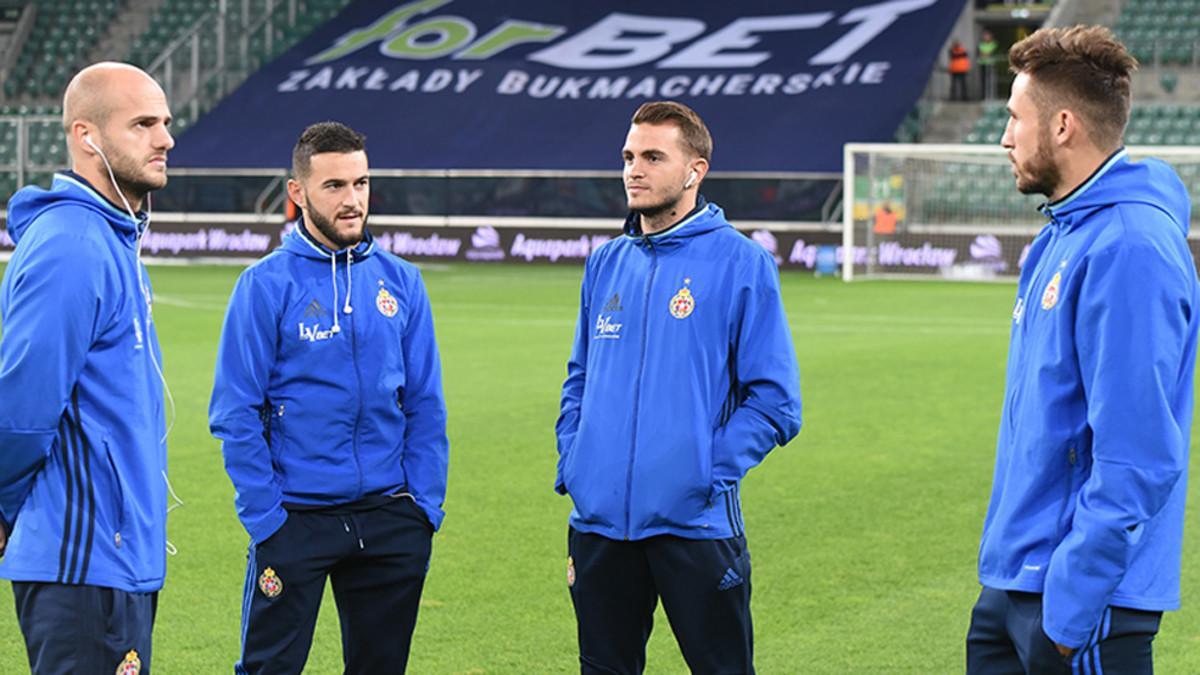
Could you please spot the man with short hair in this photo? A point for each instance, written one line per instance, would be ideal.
(328, 400)
(1081, 548)
(83, 455)
(682, 378)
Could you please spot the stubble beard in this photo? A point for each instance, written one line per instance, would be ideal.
(326, 227)
(133, 178)
(659, 208)
(1040, 174)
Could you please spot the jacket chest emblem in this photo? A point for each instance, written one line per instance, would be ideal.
(1050, 296)
(682, 304)
(386, 303)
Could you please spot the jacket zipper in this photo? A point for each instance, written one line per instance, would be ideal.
(637, 385)
(358, 386)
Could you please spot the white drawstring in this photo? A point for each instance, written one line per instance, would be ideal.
(333, 280)
(349, 283)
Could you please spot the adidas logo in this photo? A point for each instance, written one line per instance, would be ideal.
(614, 304)
(730, 580)
(314, 310)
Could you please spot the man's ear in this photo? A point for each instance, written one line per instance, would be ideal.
(295, 193)
(1066, 127)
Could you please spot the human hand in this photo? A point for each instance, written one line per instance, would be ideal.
(1067, 652)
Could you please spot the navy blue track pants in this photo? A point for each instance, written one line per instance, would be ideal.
(1006, 638)
(85, 629)
(376, 560)
(705, 591)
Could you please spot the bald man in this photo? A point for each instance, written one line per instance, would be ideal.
(82, 434)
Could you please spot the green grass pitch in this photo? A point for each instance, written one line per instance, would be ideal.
(864, 530)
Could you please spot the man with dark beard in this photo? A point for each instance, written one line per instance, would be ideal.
(682, 378)
(83, 455)
(333, 424)
(1082, 544)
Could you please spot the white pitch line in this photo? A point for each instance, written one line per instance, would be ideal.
(171, 301)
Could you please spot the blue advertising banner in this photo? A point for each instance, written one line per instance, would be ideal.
(542, 84)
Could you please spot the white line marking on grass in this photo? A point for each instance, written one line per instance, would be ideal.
(172, 301)
(904, 319)
(504, 321)
(859, 329)
(567, 310)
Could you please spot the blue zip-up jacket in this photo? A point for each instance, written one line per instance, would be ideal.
(328, 384)
(83, 458)
(683, 376)
(1087, 502)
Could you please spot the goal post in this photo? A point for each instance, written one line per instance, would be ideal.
(948, 211)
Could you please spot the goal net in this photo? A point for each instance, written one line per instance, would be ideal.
(949, 211)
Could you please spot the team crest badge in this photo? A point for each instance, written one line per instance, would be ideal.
(1050, 297)
(386, 303)
(682, 304)
(570, 571)
(269, 583)
(132, 665)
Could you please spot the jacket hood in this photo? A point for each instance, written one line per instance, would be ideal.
(1121, 181)
(705, 218)
(300, 242)
(68, 188)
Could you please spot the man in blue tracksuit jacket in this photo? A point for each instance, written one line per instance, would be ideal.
(1081, 547)
(328, 400)
(83, 455)
(682, 377)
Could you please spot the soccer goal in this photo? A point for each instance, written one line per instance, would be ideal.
(948, 211)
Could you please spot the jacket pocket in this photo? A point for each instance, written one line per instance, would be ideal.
(117, 493)
(562, 481)
(676, 485)
(409, 503)
(1072, 482)
(276, 435)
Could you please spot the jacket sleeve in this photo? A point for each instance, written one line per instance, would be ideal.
(1131, 331)
(426, 448)
(572, 391)
(767, 383)
(51, 314)
(245, 356)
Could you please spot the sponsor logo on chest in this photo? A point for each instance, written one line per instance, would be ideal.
(314, 333)
(607, 329)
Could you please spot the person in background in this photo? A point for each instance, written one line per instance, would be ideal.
(985, 58)
(960, 65)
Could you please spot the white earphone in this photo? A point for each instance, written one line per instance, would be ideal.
(691, 179)
(171, 549)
